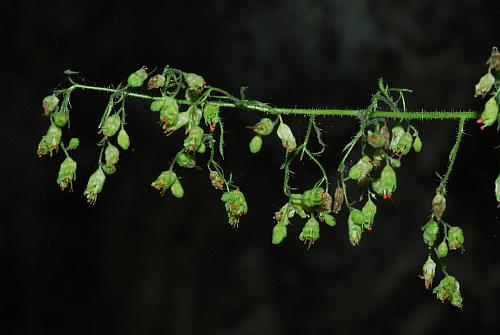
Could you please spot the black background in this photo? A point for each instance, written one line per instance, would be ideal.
(137, 263)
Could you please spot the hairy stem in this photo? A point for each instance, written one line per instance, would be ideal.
(453, 155)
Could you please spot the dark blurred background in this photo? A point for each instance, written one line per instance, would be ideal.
(137, 263)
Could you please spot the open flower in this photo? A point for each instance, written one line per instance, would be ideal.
(449, 289)
(310, 231)
(67, 174)
(164, 181)
(236, 206)
(95, 185)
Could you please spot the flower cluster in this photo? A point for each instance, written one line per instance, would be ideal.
(490, 84)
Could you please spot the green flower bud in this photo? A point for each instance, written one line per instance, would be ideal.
(156, 81)
(112, 155)
(185, 160)
(164, 181)
(361, 169)
(194, 138)
(49, 104)
(123, 139)
(236, 206)
(43, 147)
(109, 170)
(417, 144)
(111, 125)
(95, 185)
(497, 189)
(279, 233)
(395, 162)
(484, 85)
(313, 197)
(369, 210)
(455, 238)
(202, 148)
(216, 180)
(194, 82)
(490, 113)
(137, 78)
(255, 144)
(211, 115)
(429, 271)
(430, 232)
(449, 289)
(169, 113)
(442, 250)
(60, 118)
(438, 205)
(310, 231)
(328, 219)
(177, 190)
(287, 139)
(356, 217)
(53, 137)
(355, 232)
(264, 127)
(156, 105)
(73, 144)
(67, 174)
(375, 139)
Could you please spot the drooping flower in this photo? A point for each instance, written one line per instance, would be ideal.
(137, 78)
(287, 139)
(236, 206)
(95, 185)
(310, 231)
(449, 289)
(455, 238)
(429, 271)
(430, 232)
(67, 174)
(164, 181)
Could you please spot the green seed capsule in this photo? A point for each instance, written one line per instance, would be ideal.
(455, 238)
(137, 78)
(286, 136)
(255, 144)
(430, 233)
(123, 139)
(194, 138)
(264, 127)
(95, 185)
(417, 144)
(60, 119)
(310, 231)
(177, 190)
(328, 219)
(67, 174)
(185, 160)
(156, 81)
(112, 155)
(369, 210)
(442, 250)
(111, 125)
(438, 206)
(279, 233)
(49, 104)
(164, 181)
(313, 197)
(73, 144)
(490, 113)
(429, 271)
(484, 85)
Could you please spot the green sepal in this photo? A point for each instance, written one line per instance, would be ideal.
(430, 232)
(211, 114)
(361, 169)
(164, 181)
(185, 160)
(95, 185)
(123, 139)
(111, 154)
(49, 104)
(310, 231)
(73, 144)
(455, 238)
(60, 118)
(137, 78)
(490, 114)
(194, 138)
(313, 197)
(236, 206)
(328, 219)
(264, 127)
(449, 289)
(369, 210)
(484, 85)
(356, 217)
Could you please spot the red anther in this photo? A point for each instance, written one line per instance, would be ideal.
(482, 127)
(479, 120)
(212, 127)
(370, 228)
